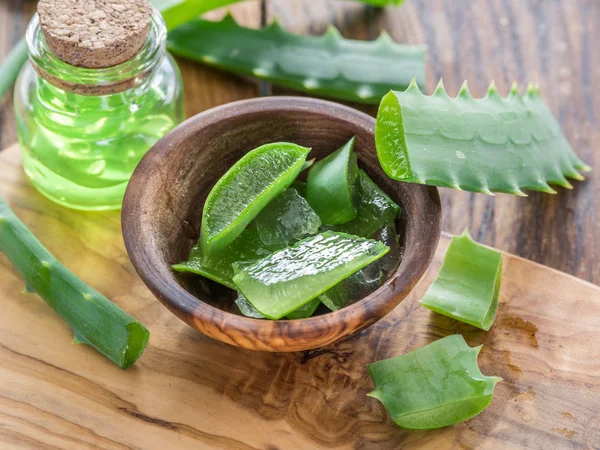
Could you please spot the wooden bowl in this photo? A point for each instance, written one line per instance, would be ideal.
(162, 213)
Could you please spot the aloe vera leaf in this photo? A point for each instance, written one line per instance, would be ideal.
(330, 185)
(468, 283)
(11, 66)
(434, 386)
(368, 279)
(287, 218)
(92, 317)
(178, 12)
(247, 187)
(374, 208)
(289, 278)
(327, 65)
(486, 145)
(218, 266)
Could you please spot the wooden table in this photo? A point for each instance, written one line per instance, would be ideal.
(63, 396)
(553, 42)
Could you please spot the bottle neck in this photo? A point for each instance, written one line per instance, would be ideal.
(104, 81)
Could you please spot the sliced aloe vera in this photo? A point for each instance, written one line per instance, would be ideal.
(303, 312)
(468, 283)
(486, 145)
(434, 386)
(218, 266)
(368, 279)
(247, 187)
(330, 185)
(289, 278)
(326, 65)
(287, 218)
(374, 208)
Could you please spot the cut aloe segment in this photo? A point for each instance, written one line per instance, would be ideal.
(247, 187)
(434, 386)
(468, 284)
(218, 266)
(303, 312)
(330, 185)
(486, 145)
(289, 278)
(373, 207)
(368, 279)
(287, 218)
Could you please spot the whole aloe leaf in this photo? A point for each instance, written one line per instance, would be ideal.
(327, 65)
(434, 386)
(486, 145)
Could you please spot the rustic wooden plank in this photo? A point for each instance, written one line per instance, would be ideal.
(189, 391)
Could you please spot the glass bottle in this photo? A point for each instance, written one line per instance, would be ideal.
(83, 131)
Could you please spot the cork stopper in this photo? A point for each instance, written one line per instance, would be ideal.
(95, 33)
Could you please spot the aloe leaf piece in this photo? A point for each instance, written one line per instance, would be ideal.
(382, 3)
(468, 283)
(434, 386)
(368, 279)
(289, 278)
(486, 145)
(330, 185)
(247, 187)
(327, 65)
(92, 317)
(218, 266)
(287, 218)
(300, 187)
(374, 208)
(303, 312)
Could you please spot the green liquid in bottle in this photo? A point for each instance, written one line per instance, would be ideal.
(80, 150)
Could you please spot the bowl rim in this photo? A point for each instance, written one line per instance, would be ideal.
(211, 320)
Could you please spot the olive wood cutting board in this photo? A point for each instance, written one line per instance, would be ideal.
(188, 391)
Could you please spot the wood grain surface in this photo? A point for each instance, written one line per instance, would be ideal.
(553, 42)
(191, 392)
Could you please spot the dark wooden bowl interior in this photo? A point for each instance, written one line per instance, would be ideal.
(163, 204)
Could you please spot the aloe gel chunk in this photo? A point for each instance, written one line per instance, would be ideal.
(368, 279)
(246, 307)
(289, 278)
(330, 185)
(468, 283)
(247, 187)
(287, 218)
(218, 266)
(374, 208)
(434, 386)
